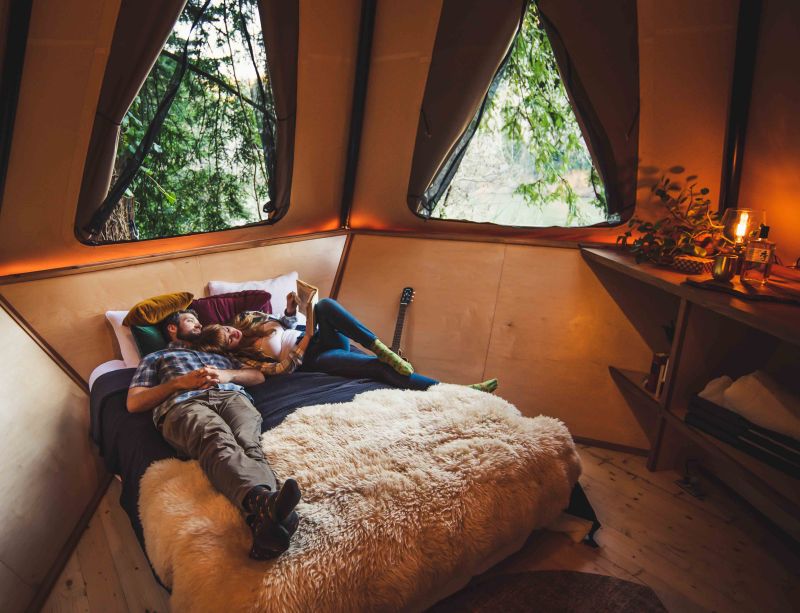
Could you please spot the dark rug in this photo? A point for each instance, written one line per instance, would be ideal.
(551, 591)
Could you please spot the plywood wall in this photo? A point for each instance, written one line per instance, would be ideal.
(685, 66)
(686, 51)
(68, 311)
(771, 161)
(49, 471)
(537, 318)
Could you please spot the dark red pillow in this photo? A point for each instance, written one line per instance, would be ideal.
(220, 309)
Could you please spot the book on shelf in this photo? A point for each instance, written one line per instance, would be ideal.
(662, 377)
(657, 375)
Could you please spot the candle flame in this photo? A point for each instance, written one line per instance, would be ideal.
(741, 227)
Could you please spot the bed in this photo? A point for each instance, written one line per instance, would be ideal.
(407, 495)
(129, 442)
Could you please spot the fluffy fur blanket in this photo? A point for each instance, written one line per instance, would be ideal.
(403, 491)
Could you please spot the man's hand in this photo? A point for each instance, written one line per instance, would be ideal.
(292, 300)
(243, 376)
(146, 398)
(199, 379)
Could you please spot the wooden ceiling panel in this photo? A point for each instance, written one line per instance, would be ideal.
(327, 58)
(771, 167)
(401, 55)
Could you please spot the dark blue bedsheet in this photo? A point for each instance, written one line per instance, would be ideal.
(129, 442)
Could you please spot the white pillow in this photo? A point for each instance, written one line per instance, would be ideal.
(278, 287)
(127, 346)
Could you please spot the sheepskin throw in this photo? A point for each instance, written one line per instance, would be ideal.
(406, 494)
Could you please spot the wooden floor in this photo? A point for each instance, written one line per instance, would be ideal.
(709, 555)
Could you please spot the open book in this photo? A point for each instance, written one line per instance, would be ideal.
(308, 296)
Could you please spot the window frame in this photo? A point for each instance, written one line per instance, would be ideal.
(277, 16)
(615, 219)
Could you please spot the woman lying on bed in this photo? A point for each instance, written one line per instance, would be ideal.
(274, 347)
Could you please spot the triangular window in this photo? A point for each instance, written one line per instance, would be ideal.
(210, 165)
(527, 163)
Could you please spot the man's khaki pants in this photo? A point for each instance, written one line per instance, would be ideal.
(221, 430)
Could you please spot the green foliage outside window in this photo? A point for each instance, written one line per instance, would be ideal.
(207, 170)
(542, 145)
(538, 113)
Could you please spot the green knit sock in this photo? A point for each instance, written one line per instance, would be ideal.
(488, 386)
(389, 357)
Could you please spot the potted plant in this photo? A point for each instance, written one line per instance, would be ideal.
(690, 228)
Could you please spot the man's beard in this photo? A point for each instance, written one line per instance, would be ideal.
(187, 336)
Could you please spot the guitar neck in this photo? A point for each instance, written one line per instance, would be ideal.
(398, 328)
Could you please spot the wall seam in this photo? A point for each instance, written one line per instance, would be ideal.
(16, 575)
(37, 338)
(494, 312)
(341, 269)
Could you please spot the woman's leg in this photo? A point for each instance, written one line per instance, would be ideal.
(333, 321)
(335, 325)
(360, 366)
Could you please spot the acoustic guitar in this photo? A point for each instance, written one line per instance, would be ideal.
(406, 298)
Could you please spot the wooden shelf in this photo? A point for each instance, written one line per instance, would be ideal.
(780, 320)
(632, 380)
(715, 334)
(762, 470)
(781, 489)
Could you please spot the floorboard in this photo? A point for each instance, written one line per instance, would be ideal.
(713, 554)
(101, 577)
(141, 592)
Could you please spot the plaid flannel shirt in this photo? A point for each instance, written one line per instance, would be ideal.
(252, 358)
(176, 360)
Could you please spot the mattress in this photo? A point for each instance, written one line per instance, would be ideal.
(406, 496)
(129, 442)
(105, 367)
(309, 418)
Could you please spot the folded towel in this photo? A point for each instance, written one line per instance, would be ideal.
(714, 389)
(758, 398)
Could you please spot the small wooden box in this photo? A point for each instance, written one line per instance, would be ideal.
(692, 265)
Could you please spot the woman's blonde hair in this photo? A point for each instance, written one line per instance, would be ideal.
(211, 340)
(251, 325)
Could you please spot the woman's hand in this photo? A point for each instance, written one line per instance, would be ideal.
(292, 300)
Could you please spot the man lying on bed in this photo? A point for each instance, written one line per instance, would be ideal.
(202, 410)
